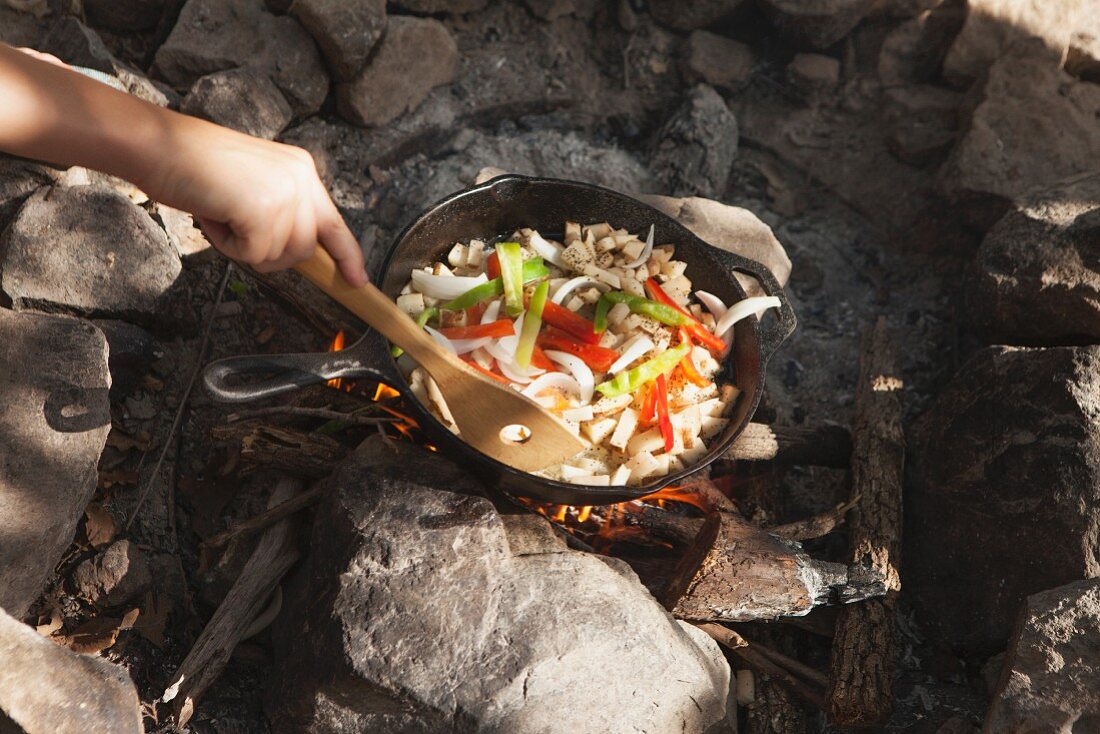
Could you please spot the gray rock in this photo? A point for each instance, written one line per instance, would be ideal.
(553, 9)
(992, 27)
(116, 575)
(74, 43)
(241, 99)
(1033, 125)
(215, 35)
(56, 416)
(914, 51)
(417, 602)
(1083, 56)
(415, 56)
(695, 148)
(696, 14)
(922, 123)
(719, 61)
(124, 15)
(87, 248)
(1037, 274)
(346, 30)
(815, 76)
(1051, 676)
(47, 689)
(20, 29)
(1003, 496)
(19, 178)
(817, 23)
(441, 6)
(132, 351)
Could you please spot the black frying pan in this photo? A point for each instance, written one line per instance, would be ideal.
(499, 207)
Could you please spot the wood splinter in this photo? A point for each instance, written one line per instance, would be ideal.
(864, 651)
(275, 553)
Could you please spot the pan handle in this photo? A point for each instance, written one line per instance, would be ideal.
(241, 379)
(778, 330)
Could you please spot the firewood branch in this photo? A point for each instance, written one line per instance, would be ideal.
(864, 647)
(820, 445)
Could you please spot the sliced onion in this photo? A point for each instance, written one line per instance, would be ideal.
(491, 313)
(445, 287)
(646, 251)
(464, 346)
(558, 380)
(744, 308)
(634, 348)
(547, 250)
(482, 358)
(443, 341)
(512, 371)
(581, 372)
(713, 303)
(581, 281)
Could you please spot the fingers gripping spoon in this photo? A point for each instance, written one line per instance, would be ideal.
(487, 413)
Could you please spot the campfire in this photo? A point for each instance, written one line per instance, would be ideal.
(316, 552)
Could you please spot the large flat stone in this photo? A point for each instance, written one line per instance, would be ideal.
(47, 689)
(1037, 274)
(240, 99)
(423, 613)
(345, 30)
(53, 426)
(214, 35)
(89, 249)
(1033, 125)
(1003, 498)
(1051, 676)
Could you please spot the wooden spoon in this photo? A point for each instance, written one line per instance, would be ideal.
(482, 408)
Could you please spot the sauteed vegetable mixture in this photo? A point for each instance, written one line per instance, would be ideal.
(601, 329)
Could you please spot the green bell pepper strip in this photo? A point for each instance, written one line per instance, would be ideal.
(511, 272)
(645, 307)
(628, 381)
(599, 321)
(422, 320)
(533, 269)
(531, 324)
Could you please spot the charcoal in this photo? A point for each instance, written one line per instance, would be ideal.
(694, 150)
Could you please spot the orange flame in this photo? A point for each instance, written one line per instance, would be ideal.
(336, 346)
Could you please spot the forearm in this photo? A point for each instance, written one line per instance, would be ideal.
(57, 115)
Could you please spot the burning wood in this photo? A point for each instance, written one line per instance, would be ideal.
(736, 571)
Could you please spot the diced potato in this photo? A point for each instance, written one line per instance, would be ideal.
(617, 313)
(598, 430)
(595, 480)
(575, 302)
(632, 286)
(457, 256)
(590, 238)
(628, 421)
(630, 324)
(662, 254)
(604, 276)
(711, 406)
(728, 396)
(696, 311)
(441, 269)
(641, 466)
(662, 466)
(678, 289)
(590, 295)
(578, 257)
(673, 268)
(674, 464)
(652, 268)
(599, 231)
(610, 339)
(606, 244)
(711, 425)
(407, 289)
(411, 303)
(650, 441)
(572, 232)
(437, 399)
(693, 454)
(581, 414)
(632, 249)
(604, 260)
(572, 472)
(593, 461)
(475, 253)
(621, 476)
(649, 325)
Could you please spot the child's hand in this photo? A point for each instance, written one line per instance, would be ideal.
(259, 202)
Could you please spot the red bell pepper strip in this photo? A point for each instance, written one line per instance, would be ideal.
(492, 265)
(487, 373)
(700, 332)
(494, 329)
(569, 322)
(663, 419)
(649, 405)
(593, 355)
(540, 360)
(687, 364)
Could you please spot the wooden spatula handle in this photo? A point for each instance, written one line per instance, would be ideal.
(371, 305)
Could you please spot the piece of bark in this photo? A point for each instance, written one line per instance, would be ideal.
(268, 517)
(310, 455)
(820, 445)
(799, 678)
(275, 553)
(735, 571)
(816, 526)
(864, 651)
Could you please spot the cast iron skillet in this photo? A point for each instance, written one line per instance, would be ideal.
(499, 207)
